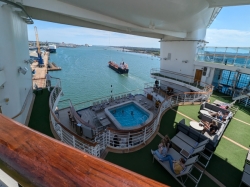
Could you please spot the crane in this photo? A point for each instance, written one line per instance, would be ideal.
(40, 59)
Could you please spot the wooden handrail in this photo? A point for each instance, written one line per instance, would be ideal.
(47, 162)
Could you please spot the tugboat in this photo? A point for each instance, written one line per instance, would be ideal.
(121, 69)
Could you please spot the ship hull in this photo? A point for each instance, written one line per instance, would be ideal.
(52, 50)
(119, 70)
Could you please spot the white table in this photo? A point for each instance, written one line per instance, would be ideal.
(196, 125)
(205, 112)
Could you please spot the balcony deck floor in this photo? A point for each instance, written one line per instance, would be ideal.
(89, 114)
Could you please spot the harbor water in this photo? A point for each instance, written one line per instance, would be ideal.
(85, 74)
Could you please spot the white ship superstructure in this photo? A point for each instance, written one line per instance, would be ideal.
(185, 61)
(52, 48)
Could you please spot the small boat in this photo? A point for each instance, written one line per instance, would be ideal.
(121, 69)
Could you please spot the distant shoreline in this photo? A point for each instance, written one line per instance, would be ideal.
(149, 51)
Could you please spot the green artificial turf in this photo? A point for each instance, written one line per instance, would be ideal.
(238, 132)
(243, 114)
(228, 160)
(141, 162)
(227, 163)
(39, 119)
(190, 111)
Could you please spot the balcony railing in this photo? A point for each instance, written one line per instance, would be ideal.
(44, 161)
(128, 139)
(182, 78)
(230, 56)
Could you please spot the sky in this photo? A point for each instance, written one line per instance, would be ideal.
(231, 28)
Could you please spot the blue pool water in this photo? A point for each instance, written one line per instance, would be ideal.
(126, 119)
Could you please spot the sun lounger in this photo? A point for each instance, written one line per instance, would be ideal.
(191, 141)
(186, 173)
(184, 146)
(245, 179)
(128, 96)
(188, 150)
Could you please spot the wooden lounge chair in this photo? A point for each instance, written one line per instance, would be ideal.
(186, 173)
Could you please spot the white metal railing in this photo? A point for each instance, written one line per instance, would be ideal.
(64, 134)
(186, 79)
(118, 139)
(120, 96)
(245, 101)
(129, 139)
(236, 56)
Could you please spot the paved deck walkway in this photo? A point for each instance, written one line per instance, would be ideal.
(39, 76)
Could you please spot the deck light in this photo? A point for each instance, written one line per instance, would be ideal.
(6, 100)
(22, 70)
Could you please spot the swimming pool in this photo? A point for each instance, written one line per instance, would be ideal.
(128, 115)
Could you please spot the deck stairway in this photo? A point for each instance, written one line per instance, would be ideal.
(241, 96)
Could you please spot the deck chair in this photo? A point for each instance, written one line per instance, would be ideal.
(177, 156)
(207, 154)
(245, 179)
(191, 141)
(123, 97)
(128, 96)
(186, 172)
(188, 151)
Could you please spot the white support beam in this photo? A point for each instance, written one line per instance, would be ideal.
(224, 3)
(64, 19)
(68, 10)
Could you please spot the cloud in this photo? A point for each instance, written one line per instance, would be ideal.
(228, 38)
(80, 35)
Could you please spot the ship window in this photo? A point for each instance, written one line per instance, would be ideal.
(243, 81)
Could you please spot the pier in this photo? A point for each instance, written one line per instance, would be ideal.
(39, 76)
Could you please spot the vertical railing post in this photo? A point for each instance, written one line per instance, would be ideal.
(214, 54)
(144, 137)
(109, 137)
(61, 133)
(128, 139)
(246, 101)
(103, 140)
(236, 55)
(74, 141)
